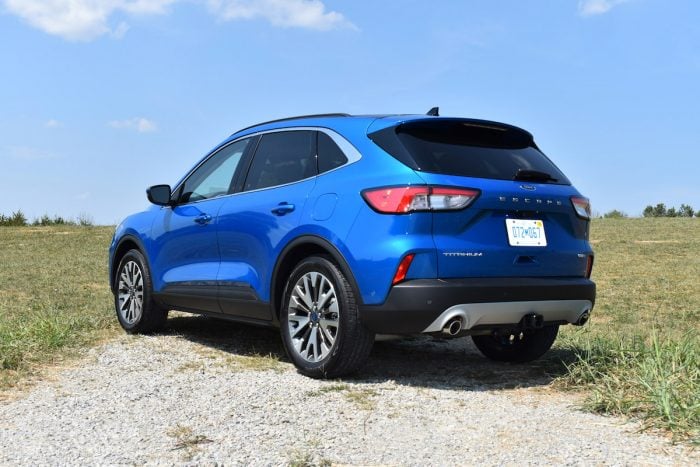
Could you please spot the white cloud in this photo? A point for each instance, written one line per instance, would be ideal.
(310, 14)
(597, 7)
(140, 124)
(81, 19)
(84, 20)
(52, 123)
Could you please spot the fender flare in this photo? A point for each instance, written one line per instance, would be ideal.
(326, 245)
(139, 244)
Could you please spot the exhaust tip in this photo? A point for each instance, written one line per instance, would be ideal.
(583, 319)
(453, 327)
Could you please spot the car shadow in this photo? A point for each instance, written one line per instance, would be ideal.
(414, 361)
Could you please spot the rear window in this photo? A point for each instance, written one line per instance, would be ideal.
(469, 149)
(330, 156)
(282, 157)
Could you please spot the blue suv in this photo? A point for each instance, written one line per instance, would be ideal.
(336, 228)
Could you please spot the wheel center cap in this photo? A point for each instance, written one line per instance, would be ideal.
(314, 317)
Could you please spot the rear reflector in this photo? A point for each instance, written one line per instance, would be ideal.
(589, 266)
(403, 268)
(405, 199)
(582, 206)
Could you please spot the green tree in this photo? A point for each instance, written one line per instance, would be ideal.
(660, 210)
(655, 211)
(685, 211)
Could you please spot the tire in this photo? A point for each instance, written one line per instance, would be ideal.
(133, 296)
(524, 347)
(320, 323)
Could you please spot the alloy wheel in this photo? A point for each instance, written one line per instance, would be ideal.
(313, 317)
(131, 292)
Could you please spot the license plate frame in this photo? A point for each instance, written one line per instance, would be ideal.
(526, 233)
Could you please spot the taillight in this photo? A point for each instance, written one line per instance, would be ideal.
(403, 268)
(405, 199)
(582, 206)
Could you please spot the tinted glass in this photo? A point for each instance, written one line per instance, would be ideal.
(284, 157)
(330, 155)
(213, 178)
(470, 150)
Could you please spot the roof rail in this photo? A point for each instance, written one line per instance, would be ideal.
(294, 118)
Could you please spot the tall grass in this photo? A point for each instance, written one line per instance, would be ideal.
(656, 380)
(640, 354)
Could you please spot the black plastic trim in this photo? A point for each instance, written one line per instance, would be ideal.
(413, 305)
(287, 119)
(224, 297)
(115, 264)
(326, 245)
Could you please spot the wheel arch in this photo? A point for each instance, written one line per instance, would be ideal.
(295, 251)
(128, 242)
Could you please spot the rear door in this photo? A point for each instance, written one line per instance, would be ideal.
(256, 223)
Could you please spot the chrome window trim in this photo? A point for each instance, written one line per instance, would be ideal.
(350, 151)
(346, 146)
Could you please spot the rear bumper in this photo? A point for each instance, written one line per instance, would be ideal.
(423, 305)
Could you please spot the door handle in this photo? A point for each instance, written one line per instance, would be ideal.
(282, 209)
(203, 219)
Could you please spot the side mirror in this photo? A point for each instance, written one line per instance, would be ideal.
(159, 194)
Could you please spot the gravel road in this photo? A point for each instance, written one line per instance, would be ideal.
(214, 392)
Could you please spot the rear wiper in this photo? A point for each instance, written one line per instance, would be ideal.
(533, 175)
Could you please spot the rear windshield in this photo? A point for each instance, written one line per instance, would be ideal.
(469, 149)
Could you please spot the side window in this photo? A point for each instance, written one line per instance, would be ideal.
(283, 157)
(330, 155)
(213, 178)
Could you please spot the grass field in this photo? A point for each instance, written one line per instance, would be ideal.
(54, 295)
(639, 356)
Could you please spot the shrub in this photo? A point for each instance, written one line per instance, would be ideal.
(614, 214)
(85, 220)
(17, 219)
(45, 220)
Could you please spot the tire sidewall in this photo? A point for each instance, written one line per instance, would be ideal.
(328, 269)
(534, 345)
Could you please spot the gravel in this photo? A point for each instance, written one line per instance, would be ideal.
(211, 392)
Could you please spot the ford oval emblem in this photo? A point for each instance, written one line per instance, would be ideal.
(528, 187)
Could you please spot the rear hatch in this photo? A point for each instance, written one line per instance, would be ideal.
(522, 224)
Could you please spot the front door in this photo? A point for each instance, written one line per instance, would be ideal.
(186, 258)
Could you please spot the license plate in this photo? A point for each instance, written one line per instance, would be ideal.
(525, 232)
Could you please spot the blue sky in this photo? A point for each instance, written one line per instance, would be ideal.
(102, 98)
